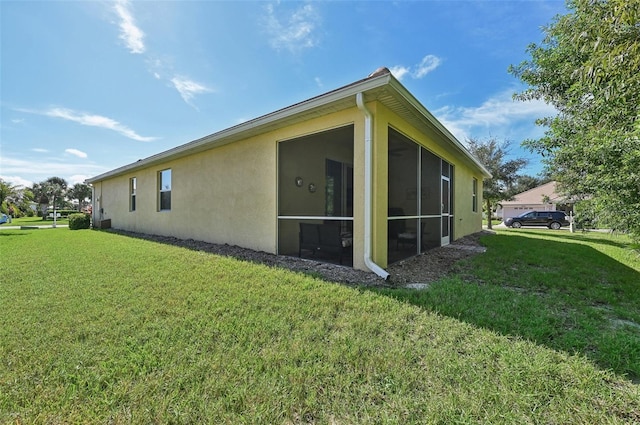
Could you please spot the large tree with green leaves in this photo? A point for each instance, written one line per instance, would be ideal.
(50, 192)
(80, 192)
(525, 182)
(503, 183)
(8, 191)
(588, 67)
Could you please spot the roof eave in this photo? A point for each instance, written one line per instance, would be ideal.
(262, 123)
(236, 132)
(415, 103)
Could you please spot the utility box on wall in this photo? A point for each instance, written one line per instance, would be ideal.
(103, 224)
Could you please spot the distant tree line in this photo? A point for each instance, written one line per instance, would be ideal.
(506, 180)
(20, 201)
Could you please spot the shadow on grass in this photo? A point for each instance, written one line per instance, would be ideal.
(558, 292)
(13, 233)
(593, 237)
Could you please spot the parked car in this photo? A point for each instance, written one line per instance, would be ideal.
(4, 219)
(551, 219)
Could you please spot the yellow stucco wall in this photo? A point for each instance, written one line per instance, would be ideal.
(229, 194)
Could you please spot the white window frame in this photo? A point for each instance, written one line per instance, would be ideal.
(133, 183)
(474, 202)
(164, 187)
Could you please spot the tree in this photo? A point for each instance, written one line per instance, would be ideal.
(7, 191)
(10, 196)
(25, 198)
(81, 192)
(588, 66)
(524, 183)
(502, 185)
(49, 192)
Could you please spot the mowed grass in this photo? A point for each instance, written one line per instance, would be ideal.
(34, 221)
(100, 328)
(579, 293)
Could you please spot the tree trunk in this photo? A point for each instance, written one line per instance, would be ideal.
(489, 215)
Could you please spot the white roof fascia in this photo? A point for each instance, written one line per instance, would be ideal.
(234, 133)
(240, 131)
(415, 103)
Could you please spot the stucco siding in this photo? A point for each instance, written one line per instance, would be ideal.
(226, 194)
(466, 220)
(223, 195)
(230, 194)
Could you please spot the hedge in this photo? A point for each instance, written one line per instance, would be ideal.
(79, 221)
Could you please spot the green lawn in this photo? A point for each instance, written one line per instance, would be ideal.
(579, 293)
(494, 222)
(101, 328)
(35, 221)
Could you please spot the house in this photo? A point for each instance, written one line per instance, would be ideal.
(541, 198)
(379, 177)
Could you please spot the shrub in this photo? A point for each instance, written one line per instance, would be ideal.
(79, 221)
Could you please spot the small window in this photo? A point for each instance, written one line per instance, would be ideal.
(474, 201)
(132, 194)
(164, 193)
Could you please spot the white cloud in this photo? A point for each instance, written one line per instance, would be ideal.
(77, 178)
(158, 66)
(92, 121)
(27, 171)
(426, 65)
(399, 71)
(497, 115)
(188, 88)
(17, 181)
(76, 152)
(40, 150)
(294, 31)
(129, 32)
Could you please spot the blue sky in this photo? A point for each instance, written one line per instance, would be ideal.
(88, 86)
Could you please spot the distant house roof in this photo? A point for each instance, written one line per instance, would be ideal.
(380, 86)
(538, 195)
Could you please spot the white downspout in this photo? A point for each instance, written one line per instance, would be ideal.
(368, 185)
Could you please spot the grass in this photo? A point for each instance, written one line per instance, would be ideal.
(573, 292)
(97, 327)
(35, 221)
(494, 222)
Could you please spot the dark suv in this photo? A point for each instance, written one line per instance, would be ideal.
(551, 219)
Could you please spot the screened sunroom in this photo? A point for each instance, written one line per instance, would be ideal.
(315, 196)
(420, 184)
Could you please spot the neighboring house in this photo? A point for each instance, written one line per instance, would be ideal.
(541, 198)
(366, 159)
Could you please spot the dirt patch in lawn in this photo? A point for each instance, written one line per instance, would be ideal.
(422, 269)
(435, 263)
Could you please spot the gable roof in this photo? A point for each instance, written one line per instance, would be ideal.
(537, 195)
(380, 86)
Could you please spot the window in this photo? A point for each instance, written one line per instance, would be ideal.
(164, 194)
(132, 194)
(474, 202)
